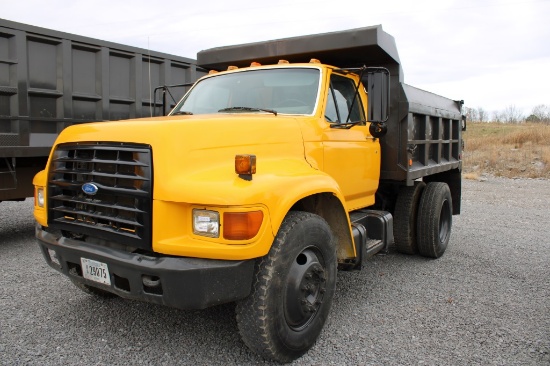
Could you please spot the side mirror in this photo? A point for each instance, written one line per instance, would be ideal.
(378, 89)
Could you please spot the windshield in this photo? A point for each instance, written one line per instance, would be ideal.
(284, 90)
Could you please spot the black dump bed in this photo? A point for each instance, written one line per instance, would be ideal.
(50, 80)
(424, 129)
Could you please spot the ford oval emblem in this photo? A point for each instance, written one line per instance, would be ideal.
(90, 188)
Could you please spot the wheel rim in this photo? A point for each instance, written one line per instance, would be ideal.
(445, 222)
(306, 286)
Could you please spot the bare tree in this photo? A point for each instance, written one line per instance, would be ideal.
(512, 114)
(476, 114)
(471, 114)
(497, 116)
(482, 114)
(540, 113)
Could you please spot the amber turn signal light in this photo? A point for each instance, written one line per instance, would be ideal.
(245, 164)
(241, 225)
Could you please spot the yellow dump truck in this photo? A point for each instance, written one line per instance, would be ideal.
(290, 160)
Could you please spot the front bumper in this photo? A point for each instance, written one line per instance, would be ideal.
(180, 282)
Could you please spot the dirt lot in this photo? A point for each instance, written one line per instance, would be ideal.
(485, 302)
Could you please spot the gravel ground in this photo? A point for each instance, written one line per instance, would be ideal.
(485, 302)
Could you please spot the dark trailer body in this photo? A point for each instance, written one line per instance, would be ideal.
(424, 129)
(50, 80)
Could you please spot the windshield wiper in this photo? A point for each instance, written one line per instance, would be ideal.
(346, 125)
(185, 113)
(247, 109)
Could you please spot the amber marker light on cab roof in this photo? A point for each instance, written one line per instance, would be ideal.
(245, 166)
(255, 64)
(231, 67)
(241, 225)
(314, 61)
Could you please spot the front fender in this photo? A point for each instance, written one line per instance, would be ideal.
(278, 185)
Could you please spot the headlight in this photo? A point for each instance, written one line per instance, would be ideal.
(40, 197)
(206, 223)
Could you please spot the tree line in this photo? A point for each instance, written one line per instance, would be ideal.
(510, 114)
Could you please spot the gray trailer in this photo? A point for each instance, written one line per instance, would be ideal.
(50, 80)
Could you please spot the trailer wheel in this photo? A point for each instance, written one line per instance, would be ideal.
(292, 290)
(435, 216)
(405, 218)
(94, 290)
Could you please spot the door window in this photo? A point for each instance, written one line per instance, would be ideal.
(340, 99)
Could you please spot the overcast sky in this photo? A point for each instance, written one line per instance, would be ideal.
(491, 53)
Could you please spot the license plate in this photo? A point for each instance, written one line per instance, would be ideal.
(95, 271)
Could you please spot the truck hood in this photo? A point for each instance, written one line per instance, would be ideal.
(190, 151)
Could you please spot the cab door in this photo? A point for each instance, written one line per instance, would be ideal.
(351, 154)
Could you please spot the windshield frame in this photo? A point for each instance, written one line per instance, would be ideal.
(316, 105)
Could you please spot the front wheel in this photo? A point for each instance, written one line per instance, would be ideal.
(292, 291)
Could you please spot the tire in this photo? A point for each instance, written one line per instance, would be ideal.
(94, 290)
(292, 290)
(435, 218)
(405, 218)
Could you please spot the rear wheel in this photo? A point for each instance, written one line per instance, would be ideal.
(405, 218)
(435, 217)
(292, 290)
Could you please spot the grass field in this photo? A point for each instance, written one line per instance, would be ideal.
(506, 150)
